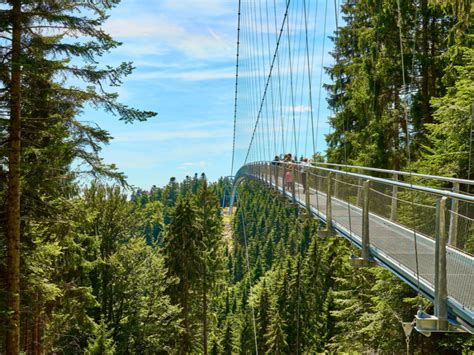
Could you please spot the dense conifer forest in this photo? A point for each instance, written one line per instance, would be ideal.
(91, 265)
(166, 270)
(409, 108)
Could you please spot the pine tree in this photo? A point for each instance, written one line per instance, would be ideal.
(14, 188)
(448, 141)
(227, 342)
(210, 248)
(31, 57)
(101, 342)
(182, 250)
(276, 337)
(111, 217)
(143, 318)
(263, 315)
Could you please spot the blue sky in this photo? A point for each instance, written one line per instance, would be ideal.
(184, 54)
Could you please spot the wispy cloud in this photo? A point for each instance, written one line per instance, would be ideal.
(188, 75)
(157, 35)
(187, 165)
(208, 8)
(147, 136)
(298, 108)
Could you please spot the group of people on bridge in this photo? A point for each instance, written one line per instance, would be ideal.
(291, 165)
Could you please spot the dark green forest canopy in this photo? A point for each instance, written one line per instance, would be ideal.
(370, 127)
(132, 275)
(44, 148)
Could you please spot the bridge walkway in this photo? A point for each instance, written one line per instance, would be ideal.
(392, 244)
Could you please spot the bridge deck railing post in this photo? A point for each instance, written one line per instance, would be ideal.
(329, 203)
(454, 218)
(394, 206)
(365, 220)
(294, 171)
(276, 167)
(304, 176)
(441, 284)
(270, 173)
(359, 193)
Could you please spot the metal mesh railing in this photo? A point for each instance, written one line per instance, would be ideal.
(409, 208)
(402, 220)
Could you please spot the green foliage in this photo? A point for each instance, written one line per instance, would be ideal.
(143, 318)
(57, 255)
(448, 149)
(101, 341)
(368, 96)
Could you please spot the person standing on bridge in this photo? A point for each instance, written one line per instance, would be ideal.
(289, 171)
(276, 160)
(275, 167)
(304, 168)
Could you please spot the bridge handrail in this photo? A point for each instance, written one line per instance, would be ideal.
(397, 183)
(438, 234)
(404, 173)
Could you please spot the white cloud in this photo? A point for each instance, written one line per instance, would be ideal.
(188, 75)
(157, 35)
(187, 165)
(147, 136)
(210, 8)
(131, 159)
(142, 27)
(298, 108)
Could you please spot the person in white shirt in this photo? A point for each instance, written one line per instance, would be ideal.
(304, 167)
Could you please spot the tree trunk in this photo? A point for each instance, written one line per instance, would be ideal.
(186, 346)
(13, 195)
(426, 65)
(204, 311)
(26, 338)
(37, 334)
(433, 68)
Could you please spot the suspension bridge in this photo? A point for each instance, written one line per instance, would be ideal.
(396, 219)
(421, 234)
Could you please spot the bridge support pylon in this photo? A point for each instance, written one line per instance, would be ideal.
(426, 323)
(365, 260)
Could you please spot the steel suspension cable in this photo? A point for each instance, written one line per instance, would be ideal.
(344, 119)
(309, 75)
(268, 140)
(297, 69)
(255, 92)
(236, 90)
(291, 84)
(268, 78)
(260, 132)
(321, 70)
(405, 113)
(300, 69)
(244, 69)
(275, 150)
(280, 95)
(240, 207)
